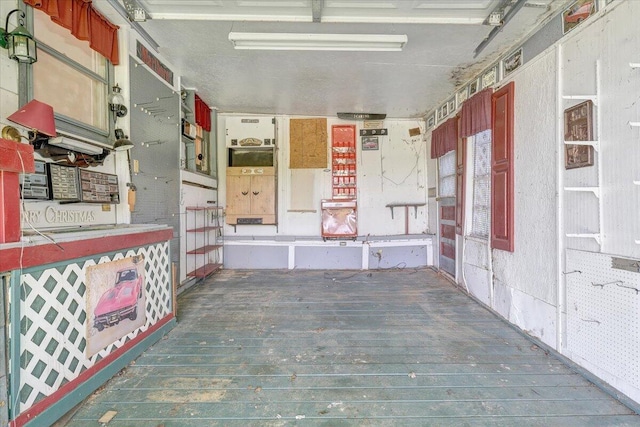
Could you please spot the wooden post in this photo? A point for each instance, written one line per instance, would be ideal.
(174, 288)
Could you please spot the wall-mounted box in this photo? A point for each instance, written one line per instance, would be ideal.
(36, 185)
(250, 132)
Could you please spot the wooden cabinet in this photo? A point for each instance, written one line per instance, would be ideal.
(251, 195)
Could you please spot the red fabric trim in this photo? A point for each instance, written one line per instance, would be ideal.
(42, 405)
(84, 22)
(48, 253)
(81, 21)
(64, 16)
(444, 138)
(475, 115)
(103, 34)
(203, 114)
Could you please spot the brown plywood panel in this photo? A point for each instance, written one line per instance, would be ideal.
(308, 143)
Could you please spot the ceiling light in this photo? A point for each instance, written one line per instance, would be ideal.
(339, 42)
(135, 11)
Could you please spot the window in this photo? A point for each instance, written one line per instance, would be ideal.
(447, 174)
(481, 206)
(199, 152)
(72, 78)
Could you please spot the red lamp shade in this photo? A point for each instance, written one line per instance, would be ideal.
(37, 116)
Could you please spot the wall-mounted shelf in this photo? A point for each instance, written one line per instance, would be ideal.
(594, 190)
(634, 124)
(594, 144)
(595, 236)
(204, 251)
(634, 64)
(591, 207)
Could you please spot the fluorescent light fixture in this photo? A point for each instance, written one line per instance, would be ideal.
(75, 145)
(339, 42)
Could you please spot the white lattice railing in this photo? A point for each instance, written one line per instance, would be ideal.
(54, 321)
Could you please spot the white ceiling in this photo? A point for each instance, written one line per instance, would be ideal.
(439, 56)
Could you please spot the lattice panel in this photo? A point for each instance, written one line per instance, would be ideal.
(481, 184)
(447, 169)
(54, 320)
(603, 308)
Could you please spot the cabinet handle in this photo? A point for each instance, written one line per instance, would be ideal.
(255, 193)
(244, 193)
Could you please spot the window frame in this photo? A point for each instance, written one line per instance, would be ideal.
(475, 179)
(66, 124)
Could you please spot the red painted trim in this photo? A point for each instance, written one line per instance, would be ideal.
(49, 253)
(448, 231)
(447, 250)
(502, 175)
(448, 213)
(42, 405)
(9, 207)
(461, 161)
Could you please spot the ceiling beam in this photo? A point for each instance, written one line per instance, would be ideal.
(494, 32)
(316, 10)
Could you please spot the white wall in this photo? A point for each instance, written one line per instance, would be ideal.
(529, 286)
(613, 41)
(396, 173)
(531, 268)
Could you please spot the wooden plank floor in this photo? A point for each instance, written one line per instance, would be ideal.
(334, 348)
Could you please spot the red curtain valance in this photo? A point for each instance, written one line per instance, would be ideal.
(84, 22)
(475, 115)
(203, 114)
(444, 138)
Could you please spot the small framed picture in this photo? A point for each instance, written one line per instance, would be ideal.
(370, 143)
(578, 126)
(512, 62)
(451, 105)
(442, 112)
(462, 96)
(431, 120)
(474, 87)
(576, 13)
(490, 77)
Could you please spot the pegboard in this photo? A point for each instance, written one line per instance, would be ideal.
(603, 319)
